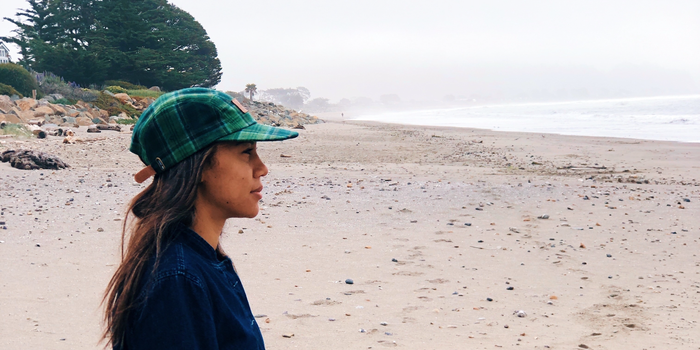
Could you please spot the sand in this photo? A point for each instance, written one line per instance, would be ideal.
(437, 228)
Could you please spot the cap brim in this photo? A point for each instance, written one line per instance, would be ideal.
(260, 132)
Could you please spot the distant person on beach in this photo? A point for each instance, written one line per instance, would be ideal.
(175, 288)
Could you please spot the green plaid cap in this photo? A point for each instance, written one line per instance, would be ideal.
(182, 122)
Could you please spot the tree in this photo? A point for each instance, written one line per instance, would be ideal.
(292, 98)
(251, 89)
(147, 42)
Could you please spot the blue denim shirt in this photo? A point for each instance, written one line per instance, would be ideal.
(195, 300)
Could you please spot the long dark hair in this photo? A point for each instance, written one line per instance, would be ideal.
(168, 201)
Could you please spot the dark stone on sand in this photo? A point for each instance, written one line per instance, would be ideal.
(489, 299)
(394, 260)
(349, 281)
(608, 255)
(510, 288)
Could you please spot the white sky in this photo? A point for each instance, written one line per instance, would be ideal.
(426, 49)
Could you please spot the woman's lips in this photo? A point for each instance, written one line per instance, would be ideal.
(257, 192)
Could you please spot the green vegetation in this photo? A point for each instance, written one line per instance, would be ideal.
(116, 89)
(149, 42)
(19, 78)
(64, 101)
(251, 89)
(50, 83)
(114, 106)
(144, 93)
(8, 90)
(16, 129)
(125, 84)
(126, 121)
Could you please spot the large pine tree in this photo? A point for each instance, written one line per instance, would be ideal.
(147, 42)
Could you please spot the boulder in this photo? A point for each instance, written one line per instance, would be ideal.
(10, 118)
(26, 116)
(83, 105)
(56, 96)
(123, 98)
(57, 109)
(69, 120)
(72, 112)
(154, 88)
(42, 111)
(26, 104)
(5, 103)
(47, 99)
(83, 121)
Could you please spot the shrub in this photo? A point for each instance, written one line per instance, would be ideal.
(113, 106)
(126, 121)
(16, 130)
(19, 78)
(50, 83)
(125, 84)
(116, 89)
(64, 101)
(8, 90)
(144, 93)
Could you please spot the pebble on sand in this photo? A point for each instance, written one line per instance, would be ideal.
(349, 281)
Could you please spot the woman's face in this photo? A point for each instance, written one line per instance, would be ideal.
(231, 187)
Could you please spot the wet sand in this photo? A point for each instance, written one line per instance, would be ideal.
(437, 228)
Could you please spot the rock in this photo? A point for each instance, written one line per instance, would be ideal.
(69, 120)
(47, 99)
(154, 88)
(56, 96)
(108, 93)
(26, 103)
(57, 109)
(26, 116)
(28, 160)
(5, 104)
(43, 111)
(10, 118)
(543, 217)
(83, 121)
(122, 97)
(71, 112)
(349, 281)
(93, 129)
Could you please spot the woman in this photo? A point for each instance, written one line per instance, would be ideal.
(175, 287)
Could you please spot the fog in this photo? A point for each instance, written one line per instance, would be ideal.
(418, 50)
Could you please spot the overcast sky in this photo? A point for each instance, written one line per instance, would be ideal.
(427, 49)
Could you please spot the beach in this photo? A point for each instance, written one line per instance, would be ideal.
(378, 235)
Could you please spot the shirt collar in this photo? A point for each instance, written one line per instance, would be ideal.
(196, 242)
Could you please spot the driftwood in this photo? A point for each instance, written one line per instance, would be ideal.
(28, 160)
(109, 127)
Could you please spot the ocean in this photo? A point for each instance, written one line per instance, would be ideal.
(668, 118)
